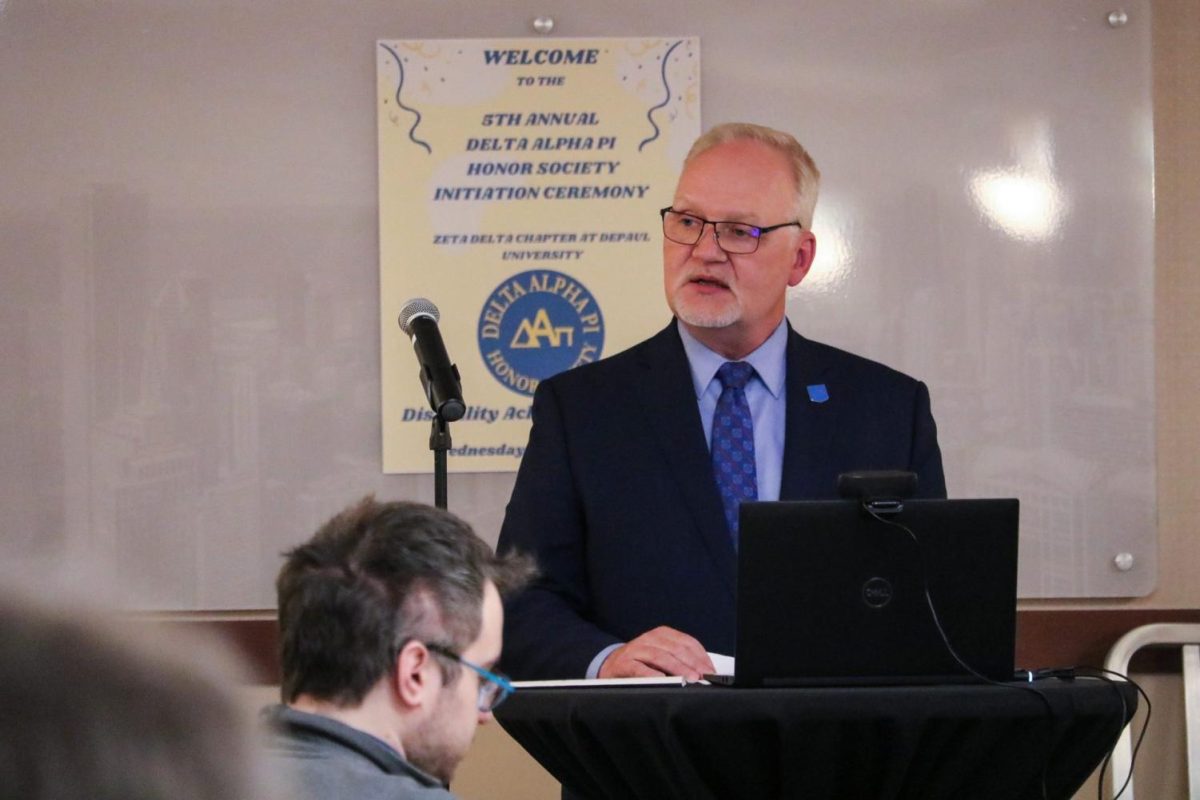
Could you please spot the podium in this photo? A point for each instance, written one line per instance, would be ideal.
(927, 742)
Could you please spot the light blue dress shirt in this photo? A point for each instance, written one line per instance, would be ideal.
(767, 396)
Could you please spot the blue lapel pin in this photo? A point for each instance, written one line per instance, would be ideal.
(817, 393)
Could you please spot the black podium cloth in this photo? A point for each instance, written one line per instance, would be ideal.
(927, 742)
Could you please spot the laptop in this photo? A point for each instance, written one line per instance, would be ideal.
(830, 595)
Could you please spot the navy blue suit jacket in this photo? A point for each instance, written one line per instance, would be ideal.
(616, 498)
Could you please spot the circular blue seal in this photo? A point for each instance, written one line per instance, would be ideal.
(537, 324)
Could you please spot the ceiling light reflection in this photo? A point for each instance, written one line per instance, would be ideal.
(835, 257)
(1027, 206)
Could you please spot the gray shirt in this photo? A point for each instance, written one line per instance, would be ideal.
(328, 760)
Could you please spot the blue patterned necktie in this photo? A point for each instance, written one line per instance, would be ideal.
(733, 442)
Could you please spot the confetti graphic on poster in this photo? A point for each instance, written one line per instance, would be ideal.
(519, 188)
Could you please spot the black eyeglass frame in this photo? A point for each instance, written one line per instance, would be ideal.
(757, 234)
(503, 686)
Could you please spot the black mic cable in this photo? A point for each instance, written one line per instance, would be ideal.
(954, 653)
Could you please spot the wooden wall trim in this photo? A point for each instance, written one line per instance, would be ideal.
(1045, 638)
(256, 640)
(1074, 637)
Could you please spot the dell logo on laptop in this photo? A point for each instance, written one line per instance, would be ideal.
(877, 592)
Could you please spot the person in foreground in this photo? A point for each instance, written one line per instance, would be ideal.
(390, 623)
(96, 708)
(629, 488)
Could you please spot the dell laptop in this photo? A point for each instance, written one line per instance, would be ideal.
(831, 593)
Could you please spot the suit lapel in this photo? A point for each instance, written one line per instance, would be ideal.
(666, 392)
(810, 424)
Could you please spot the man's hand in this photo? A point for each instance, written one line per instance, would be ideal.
(662, 651)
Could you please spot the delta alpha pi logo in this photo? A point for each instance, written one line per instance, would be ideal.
(537, 324)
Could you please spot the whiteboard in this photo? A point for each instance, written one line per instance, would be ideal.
(189, 374)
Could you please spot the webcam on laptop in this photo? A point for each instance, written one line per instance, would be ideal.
(880, 491)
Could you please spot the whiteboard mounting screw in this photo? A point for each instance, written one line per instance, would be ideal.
(1124, 561)
(1117, 19)
(544, 25)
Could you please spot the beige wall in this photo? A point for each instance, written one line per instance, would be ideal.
(1177, 299)
(1161, 771)
(498, 769)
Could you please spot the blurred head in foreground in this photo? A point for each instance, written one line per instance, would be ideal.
(92, 710)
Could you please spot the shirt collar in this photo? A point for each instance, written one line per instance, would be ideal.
(769, 360)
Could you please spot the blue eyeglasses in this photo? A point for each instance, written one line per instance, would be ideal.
(494, 688)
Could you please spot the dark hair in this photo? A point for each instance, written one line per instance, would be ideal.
(93, 708)
(372, 578)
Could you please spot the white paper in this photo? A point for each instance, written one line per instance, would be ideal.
(722, 665)
(584, 683)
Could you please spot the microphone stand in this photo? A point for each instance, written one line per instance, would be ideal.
(439, 443)
(445, 377)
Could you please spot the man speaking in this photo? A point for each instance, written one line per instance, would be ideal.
(629, 489)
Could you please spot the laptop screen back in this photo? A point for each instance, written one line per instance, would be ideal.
(827, 594)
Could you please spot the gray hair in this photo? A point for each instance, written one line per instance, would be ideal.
(805, 174)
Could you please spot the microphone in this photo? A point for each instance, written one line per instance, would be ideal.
(419, 320)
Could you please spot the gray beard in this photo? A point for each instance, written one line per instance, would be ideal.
(709, 319)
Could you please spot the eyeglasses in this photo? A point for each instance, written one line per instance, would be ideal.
(736, 238)
(494, 688)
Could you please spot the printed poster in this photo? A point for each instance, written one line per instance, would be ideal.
(520, 182)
